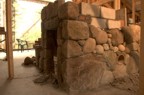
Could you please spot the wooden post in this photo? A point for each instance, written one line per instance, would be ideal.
(125, 19)
(117, 4)
(133, 10)
(141, 81)
(9, 50)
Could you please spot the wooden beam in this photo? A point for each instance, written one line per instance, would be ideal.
(129, 6)
(117, 4)
(133, 10)
(37, 1)
(9, 49)
(141, 77)
(101, 2)
(107, 5)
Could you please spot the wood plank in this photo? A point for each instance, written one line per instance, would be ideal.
(121, 14)
(9, 50)
(133, 10)
(129, 6)
(117, 4)
(141, 90)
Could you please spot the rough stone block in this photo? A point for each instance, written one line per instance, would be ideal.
(132, 67)
(111, 59)
(107, 77)
(136, 29)
(117, 37)
(133, 46)
(84, 72)
(51, 24)
(89, 46)
(98, 22)
(88, 9)
(71, 49)
(136, 57)
(45, 13)
(106, 46)
(108, 13)
(75, 30)
(114, 24)
(121, 48)
(100, 35)
(99, 49)
(82, 42)
(85, 18)
(115, 49)
(68, 10)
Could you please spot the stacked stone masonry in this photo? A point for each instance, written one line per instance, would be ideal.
(93, 48)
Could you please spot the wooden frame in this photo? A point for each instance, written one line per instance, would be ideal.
(9, 50)
(133, 10)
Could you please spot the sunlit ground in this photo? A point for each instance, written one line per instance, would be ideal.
(19, 54)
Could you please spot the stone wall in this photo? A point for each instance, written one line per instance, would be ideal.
(93, 47)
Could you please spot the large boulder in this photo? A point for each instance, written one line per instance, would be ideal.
(117, 37)
(71, 49)
(107, 78)
(68, 10)
(89, 46)
(84, 72)
(136, 57)
(111, 59)
(75, 30)
(132, 67)
(100, 35)
(120, 71)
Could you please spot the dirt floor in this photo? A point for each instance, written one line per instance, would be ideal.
(23, 84)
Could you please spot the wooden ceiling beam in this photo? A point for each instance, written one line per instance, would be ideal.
(37, 1)
(107, 5)
(101, 2)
